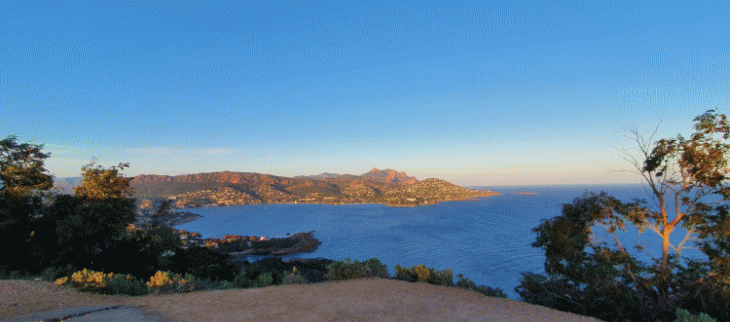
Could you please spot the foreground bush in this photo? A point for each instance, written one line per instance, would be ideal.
(203, 263)
(421, 273)
(343, 270)
(125, 284)
(685, 316)
(465, 283)
(168, 282)
(98, 282)
(294, 278)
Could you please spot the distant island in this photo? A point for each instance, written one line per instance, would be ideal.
(388, 187)
(527, 193)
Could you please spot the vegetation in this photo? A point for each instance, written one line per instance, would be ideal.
(685, 178)
(343, 270)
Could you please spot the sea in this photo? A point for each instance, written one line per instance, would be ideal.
(487, 240)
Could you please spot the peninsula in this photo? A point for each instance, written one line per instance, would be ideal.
(388, 187)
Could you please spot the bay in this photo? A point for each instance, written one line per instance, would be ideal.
(488, 240)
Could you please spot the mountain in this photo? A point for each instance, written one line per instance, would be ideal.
(66, 185)
(389, 176)
(323, 176)
(230, 188)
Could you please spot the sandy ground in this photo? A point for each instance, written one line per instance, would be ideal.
(353, 300)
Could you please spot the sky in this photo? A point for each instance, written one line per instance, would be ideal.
(479, 93)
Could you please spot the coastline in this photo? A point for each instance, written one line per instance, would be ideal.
(407, 204)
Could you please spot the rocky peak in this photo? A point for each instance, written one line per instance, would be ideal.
(389, 176)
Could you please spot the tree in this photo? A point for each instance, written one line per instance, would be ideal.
(97, 216)
(23, 179)
(163, 212)
(104, 184)
(684, 176)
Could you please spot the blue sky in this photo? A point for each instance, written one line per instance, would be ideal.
(474, 92)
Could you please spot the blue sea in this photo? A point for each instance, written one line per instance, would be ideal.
(487, 240)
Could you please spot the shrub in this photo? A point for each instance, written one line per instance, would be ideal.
(342, 270)
(465, 283)
(203, 263)
(263, 280)
(3, 271)
(445, 277)
(241, 280)
(17, 275)
(421, 273)
(403, 274)
(86, 280)
(168, 282)
(125, 284)
(48, 274)
(294, 278)
(685, 316)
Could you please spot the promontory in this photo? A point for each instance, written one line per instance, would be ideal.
(388, 187)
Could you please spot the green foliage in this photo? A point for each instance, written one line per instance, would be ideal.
(421, 273)
(23, 182)
(204, 263)
(22, 168)
(291, 278)
(465, 283)
(102, 184)
(128, 285)
(263, 280)
(342, 270)
(48, 274)
(603, 279)
(241, 280)
(162, 212)
(17, 275)
(294, 277)
(685, 316)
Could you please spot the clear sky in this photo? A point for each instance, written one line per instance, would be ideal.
(474, 92)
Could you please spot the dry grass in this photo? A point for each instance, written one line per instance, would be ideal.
(352, 300)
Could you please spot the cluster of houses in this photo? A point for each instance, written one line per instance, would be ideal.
(193, 239)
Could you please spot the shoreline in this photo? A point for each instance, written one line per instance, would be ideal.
(470, 198)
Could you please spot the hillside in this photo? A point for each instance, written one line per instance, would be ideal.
(351, 300)
(241, 188)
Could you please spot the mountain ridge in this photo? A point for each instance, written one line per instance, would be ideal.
(387, 186)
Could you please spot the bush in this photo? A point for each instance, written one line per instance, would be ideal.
(421, 273)
(241, 280)
(125, 284)
(48, 274)
(263, 280)
(87, 280)
(343, 270)
(684, 316)
(465, 283)
(168, 282)
(17, 275)
(203, 263)
(294, 278)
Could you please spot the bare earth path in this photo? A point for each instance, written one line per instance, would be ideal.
(352, 300)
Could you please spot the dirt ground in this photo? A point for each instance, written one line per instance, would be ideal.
(353, 300)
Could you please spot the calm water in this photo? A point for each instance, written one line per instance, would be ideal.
(486, 240)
